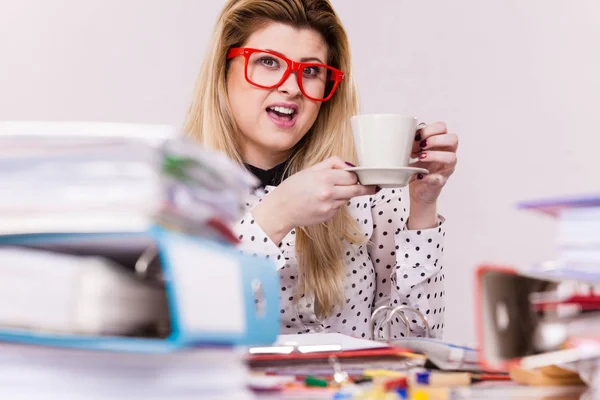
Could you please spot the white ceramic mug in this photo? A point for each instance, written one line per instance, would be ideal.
(384, 140)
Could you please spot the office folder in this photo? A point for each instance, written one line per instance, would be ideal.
(577, 226)
(317, 353)
(35, 372)
(213, 294)
(554, 206)
(441, 354)
(512, 326)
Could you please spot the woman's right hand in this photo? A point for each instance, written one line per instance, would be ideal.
(308, 197)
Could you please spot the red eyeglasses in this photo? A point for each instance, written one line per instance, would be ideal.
(267, 70)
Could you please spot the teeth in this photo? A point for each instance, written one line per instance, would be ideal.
(283, 110)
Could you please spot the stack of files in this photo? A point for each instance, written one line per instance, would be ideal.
(545, 315)
(80, 290)
(313, 354)
(442, 354)
(35, 372)
(538, 316)
(82, 327)
(301, 355)
(121, 278)
(577, 229)
(105, 183)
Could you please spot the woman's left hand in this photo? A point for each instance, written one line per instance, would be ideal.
(436, 150)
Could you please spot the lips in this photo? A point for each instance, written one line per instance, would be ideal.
(283, 115)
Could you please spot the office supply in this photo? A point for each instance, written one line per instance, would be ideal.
(395, 383)
(546, 376)
(566, 295)
(577, 226)
(507, 391)
(442, 354)
(97, 181)
(243, 310)
(303, 355)
(316, 382)
(122, 279)
(263, 383)
(514, 331)
(156, 204)
(323, 341)
(402, 393)
(546, 316)
(398, 311)
(373, 373)
(554, 206)
(46, 291)
(443, 379)
(340, 377)
(36, 372)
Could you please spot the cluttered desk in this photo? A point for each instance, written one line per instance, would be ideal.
(108, 245)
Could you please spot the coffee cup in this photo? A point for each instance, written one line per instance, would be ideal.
(384, 145)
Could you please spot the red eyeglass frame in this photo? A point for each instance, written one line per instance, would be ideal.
(292, 66)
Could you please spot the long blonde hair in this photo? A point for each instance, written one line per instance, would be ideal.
(319, 248)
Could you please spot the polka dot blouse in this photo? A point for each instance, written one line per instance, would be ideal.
(397, 266)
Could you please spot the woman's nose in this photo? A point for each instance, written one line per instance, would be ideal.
(290, 86)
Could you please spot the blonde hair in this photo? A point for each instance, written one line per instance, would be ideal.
(319, 248)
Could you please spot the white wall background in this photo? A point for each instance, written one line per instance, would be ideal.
(517, 79)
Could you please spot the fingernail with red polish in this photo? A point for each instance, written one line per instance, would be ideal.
(423, 143)
(420, 176)
(377, 189)
(418, 137)
(349, 164)
(422, 155)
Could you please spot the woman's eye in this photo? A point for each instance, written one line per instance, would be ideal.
(312, 71)
(269, 62)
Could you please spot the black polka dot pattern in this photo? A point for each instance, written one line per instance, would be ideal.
(397, 266)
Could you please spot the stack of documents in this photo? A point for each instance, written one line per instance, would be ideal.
(101, 183)
(302, 355)
(49, 373)
(311, 355)
(577, 229)
(547, 314)
(49, 291)
(120, 274)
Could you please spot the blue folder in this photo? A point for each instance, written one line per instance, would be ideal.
(249, 314)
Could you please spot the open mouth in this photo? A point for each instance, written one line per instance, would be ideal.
(281, 113)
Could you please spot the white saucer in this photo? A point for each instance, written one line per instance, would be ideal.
(386, 177)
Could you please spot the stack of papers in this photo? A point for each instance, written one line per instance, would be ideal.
(312, 354)
(46, 291)
(36, 372)
(98, 232)
(101, 183)
(577, 229)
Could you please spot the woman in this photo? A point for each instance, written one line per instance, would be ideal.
(342, 250)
